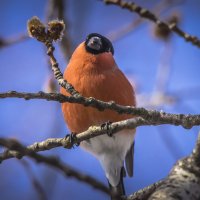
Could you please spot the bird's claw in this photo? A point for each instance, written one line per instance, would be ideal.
(73, 139)
(106, 126)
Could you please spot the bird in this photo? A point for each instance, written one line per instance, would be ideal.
(93, 72)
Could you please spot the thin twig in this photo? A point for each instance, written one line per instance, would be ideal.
(57, 73)
(56, 10)
(142, 12)
(13, 145)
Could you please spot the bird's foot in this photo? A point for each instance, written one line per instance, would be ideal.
(73, 139)
(106, 127)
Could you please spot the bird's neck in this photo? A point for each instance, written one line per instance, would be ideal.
(93, 63)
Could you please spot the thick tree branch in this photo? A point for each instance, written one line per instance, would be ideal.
(151, 117)
(19, 149)
(184, 177)
(182, 170)
(183, 182)
(92, 131)
(142, 12)
(144, 193)
(37, 30)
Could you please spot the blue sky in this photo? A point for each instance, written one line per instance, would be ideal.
(23, 67)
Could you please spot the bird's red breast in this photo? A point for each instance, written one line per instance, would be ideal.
(95, 76)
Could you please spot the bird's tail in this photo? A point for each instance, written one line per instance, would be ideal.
(117, 191)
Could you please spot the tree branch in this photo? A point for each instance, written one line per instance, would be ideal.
(184, 177)
(19, 149)
(35, 183)
(161, 6)
(183, 182)
(56, 10)
(151, 117)
(92, 131)
(37, 30)
(144, 193)
(142, 12)
(4, 42)
(147, 117)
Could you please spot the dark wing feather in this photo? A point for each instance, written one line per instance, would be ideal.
(129, 160)
(117, 191)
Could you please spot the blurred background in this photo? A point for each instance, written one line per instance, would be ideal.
(162, 66)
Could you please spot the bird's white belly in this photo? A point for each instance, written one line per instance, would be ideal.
(111, 152)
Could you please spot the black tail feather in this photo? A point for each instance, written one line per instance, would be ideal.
(118, 191)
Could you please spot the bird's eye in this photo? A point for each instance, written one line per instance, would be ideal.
(95, 43)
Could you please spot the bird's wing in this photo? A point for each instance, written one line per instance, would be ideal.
(129, 160)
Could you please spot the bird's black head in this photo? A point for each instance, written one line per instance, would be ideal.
(96, 44)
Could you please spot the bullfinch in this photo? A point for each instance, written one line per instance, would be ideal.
(93, 72)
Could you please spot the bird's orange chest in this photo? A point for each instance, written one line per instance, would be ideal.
(98, 80)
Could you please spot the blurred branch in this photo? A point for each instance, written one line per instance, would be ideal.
(158, 96)
(13, 145)
(163, 69)
(150, 117)
(36, 184)
(4, 42)
(124, 30)
(187, 93)
(142, 12)
(157, 9)
(56, 10)
(156, 100)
